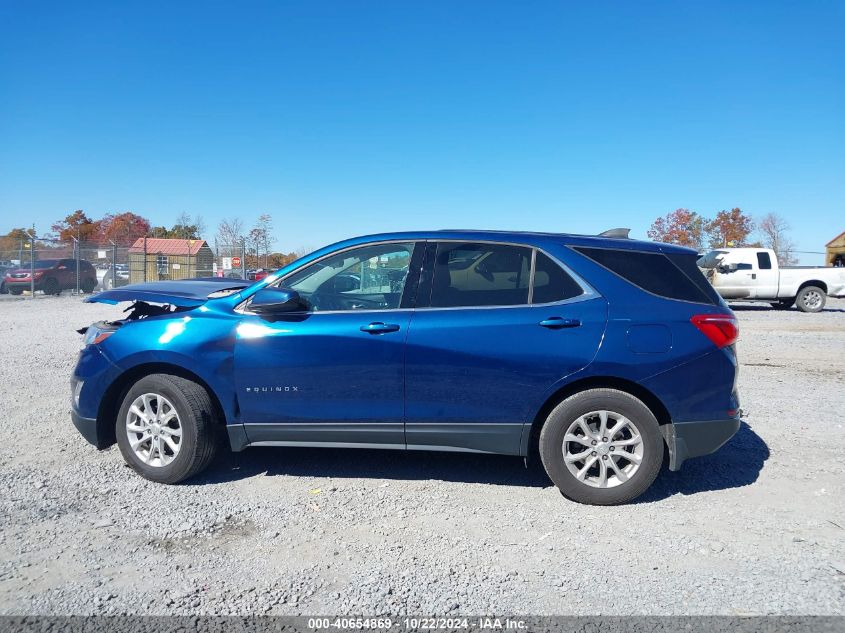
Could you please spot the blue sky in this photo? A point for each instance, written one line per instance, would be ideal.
(343, 118)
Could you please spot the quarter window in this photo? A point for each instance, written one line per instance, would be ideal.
(551, 282)
(764, 262)
(472, 274)
(656, 273)
(368, 278)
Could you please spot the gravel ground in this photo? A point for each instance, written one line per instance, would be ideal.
(758, 528)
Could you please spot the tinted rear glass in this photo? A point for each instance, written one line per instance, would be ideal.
(668, 276)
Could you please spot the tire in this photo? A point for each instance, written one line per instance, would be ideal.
(587, 406)
(16, 291)
(195, 418)
(3, 289)
(87, 286)
(51, 287)
(811, 299)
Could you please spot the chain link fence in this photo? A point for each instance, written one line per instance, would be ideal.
(37, 265)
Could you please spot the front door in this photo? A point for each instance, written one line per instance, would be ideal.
(488, 345)
(333, 374)
(766, 284)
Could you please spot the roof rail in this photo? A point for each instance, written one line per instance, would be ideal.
(618, 233)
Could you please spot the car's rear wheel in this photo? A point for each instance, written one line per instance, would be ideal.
(601, 447)
(167, 428)
(51, 286)
(88, 285)
(811, 299)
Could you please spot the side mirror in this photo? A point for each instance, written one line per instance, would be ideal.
(277, 301)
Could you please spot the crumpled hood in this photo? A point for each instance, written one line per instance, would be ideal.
(185, 293)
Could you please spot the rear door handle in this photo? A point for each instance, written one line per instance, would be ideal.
(558, 323)
(379, 328)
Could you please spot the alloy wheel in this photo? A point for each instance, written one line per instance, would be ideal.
(603, 449)
(154, 429)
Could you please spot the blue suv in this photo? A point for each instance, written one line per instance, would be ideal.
(600, 353)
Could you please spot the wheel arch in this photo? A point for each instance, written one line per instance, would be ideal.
(114, 394)
(814, 282)
(647, 397)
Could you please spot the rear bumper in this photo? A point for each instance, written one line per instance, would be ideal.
(694, 439)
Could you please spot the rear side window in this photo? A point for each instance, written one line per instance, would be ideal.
(551, 282)
(672, 276)
(764, 262)
(480, 275)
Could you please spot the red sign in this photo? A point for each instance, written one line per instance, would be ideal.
(236, 262)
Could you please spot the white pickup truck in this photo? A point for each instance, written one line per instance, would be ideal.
(753, 274)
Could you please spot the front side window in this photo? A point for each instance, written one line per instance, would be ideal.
(367, 278)
(467, 274)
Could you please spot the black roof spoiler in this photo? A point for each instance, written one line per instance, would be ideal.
(617, 233)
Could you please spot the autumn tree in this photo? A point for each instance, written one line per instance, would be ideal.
(774, 234)
(13, 243)
(729, 228)
(77, 225)
(681, 226)
(123, 228)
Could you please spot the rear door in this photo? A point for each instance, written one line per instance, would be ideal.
(485, 343)
(66, 273)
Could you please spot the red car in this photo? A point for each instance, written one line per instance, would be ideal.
(52, 276)
(257, 275)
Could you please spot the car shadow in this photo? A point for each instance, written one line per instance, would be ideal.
(736, 464)
(341, 463)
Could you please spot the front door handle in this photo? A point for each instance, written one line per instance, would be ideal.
(379, 328)
(558, 323)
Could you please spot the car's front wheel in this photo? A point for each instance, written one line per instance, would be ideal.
(601, 447)
(167, 428)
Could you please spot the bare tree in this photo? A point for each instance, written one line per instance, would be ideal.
(229, 235)
(773, 230)
(261, 236)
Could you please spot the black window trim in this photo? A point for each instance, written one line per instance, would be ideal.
(588, 292)
(576, 248)
(423, 278)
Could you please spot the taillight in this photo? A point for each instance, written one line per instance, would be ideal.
(721, 329)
